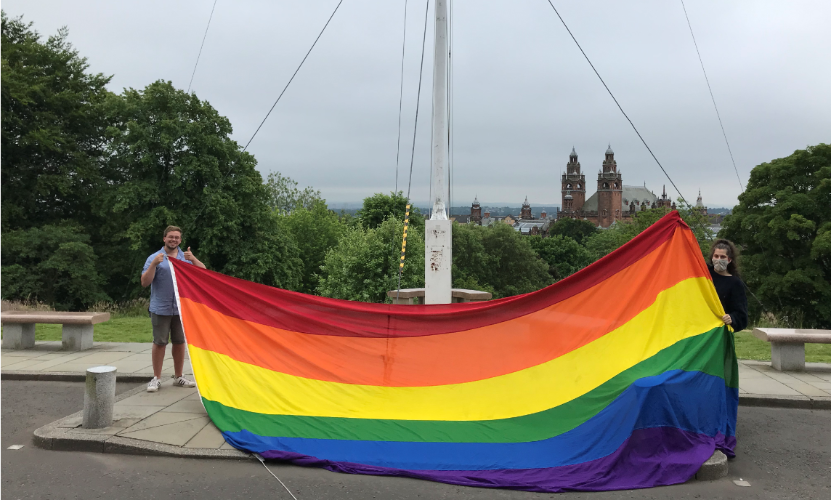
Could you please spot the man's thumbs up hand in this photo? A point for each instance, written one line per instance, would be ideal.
(189, 255)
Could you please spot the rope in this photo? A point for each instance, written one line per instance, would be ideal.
(401, 95)
(200, 47)
(403, 251)
(260, 458)
(711, 96)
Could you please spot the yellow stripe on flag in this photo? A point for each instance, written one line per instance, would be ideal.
(686, 309)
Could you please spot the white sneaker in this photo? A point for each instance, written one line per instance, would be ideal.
(154, 385)
(183, 382)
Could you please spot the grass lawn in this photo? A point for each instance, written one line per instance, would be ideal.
(749, 347)
(117, 329)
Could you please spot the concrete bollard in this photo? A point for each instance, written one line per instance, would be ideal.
(99, 397)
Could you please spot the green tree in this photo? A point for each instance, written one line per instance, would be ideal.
(563, 255)
(577, 229)
(316, 230)
(605, 241)
(52, 129)
(284, 196)
(496, 259)
(52, 264)
(783, 225)
(171, 161)
(363, 266)
(470, 260)
(379, 207)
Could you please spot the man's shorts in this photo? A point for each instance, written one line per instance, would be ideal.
(165, 327)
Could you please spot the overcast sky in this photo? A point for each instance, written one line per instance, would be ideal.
(523, 94)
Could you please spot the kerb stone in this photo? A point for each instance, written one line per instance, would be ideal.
(714, 468)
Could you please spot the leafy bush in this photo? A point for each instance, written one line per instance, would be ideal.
(783, 226)
(364, 264)
(563, 255)
(316, 230)
(52, 264)
(496, 259)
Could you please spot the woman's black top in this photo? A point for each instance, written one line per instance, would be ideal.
(730, 291)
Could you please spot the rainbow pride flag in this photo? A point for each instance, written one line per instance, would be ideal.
(620, 376)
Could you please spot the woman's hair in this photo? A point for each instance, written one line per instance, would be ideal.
(732, 253)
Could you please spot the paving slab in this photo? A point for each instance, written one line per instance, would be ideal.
(161, 418)
(143, 367)
(209, 437)
(121, 411)
(47, 363)
(176, 434)
(165, 397)
(769, 387)
(186, 406)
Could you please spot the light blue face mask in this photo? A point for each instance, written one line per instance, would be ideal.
(720, 265)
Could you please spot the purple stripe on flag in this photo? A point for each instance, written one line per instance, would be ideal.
(657, 456)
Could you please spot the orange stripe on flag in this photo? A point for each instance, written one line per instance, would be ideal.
(456, 357)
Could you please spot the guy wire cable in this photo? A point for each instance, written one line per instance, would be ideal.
(617, 103)
(722, 128)
(200, 47)
(698, 215)
(401, 95)
(700, 60)
(278, 99)
(692, 209)
(294, 74)
(415, 126)
(711, 96)
(400, 106)
(418, 98)
(450, 158)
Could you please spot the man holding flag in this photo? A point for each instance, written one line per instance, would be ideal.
(164, 312)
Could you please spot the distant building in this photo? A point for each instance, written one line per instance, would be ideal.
(476, 211)
(613, 201)
(526, 224)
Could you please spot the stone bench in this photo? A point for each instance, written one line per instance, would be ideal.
(787, 345)
(76, 331)
(408, 295)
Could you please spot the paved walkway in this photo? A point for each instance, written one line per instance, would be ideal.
(173, 420)
(131, 359)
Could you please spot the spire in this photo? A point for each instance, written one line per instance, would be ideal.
(573, 152)
(609, 150)
(526, 201)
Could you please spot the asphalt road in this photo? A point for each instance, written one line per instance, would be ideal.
(782, 453)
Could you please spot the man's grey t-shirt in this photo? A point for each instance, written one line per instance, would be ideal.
(162, 298)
